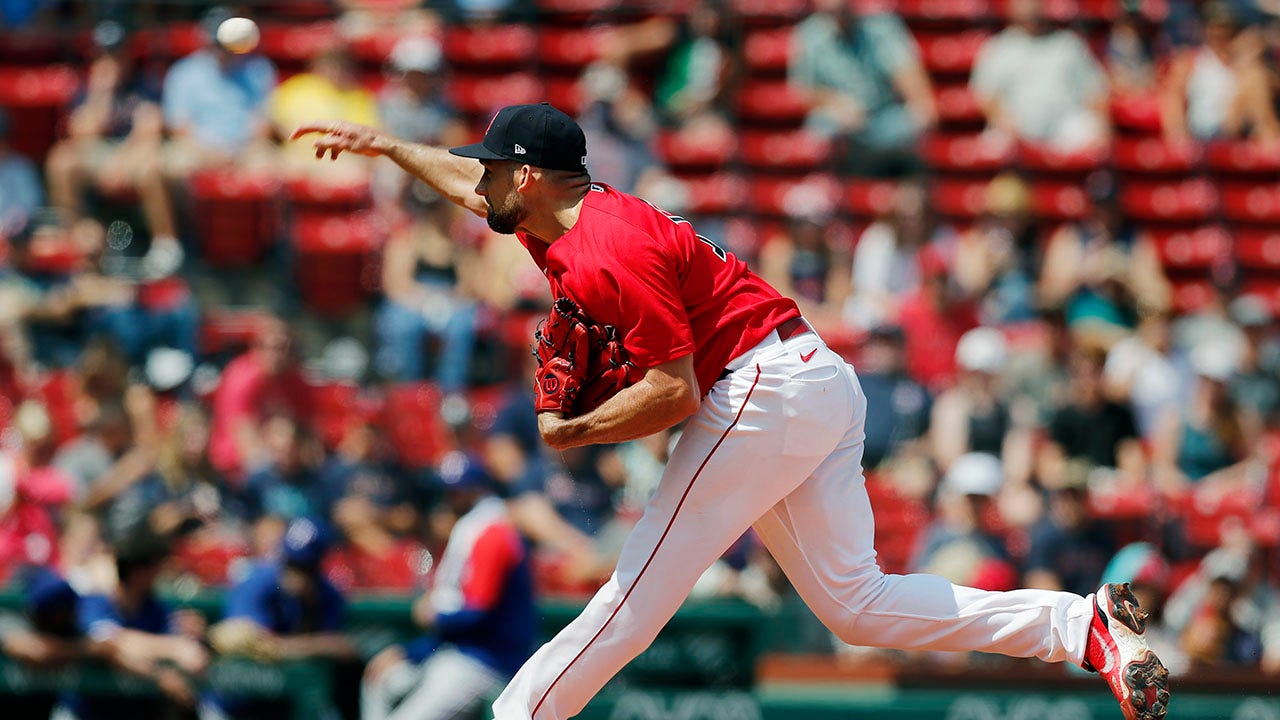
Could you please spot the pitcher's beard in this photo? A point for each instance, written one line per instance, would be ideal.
(504, 220)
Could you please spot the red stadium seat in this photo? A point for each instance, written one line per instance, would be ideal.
(310, 193)
(769, 12)
(575, 9)
(1042, 159)
(30, 46)
(1136, 114)
(1196, 249)
(768, 51)
(951, 54)
(411, 419)
(772, 102)
(715, 194)
(1258, 249)
(183, 39)
(966, 154)
(224, 331)
(336, 264)
(782, 197)
(1243, 158)
(1155, 156)
(958, 106)
(340, 407)
(870, 199)
(899, 522)
(484, 95)
(1059, 201)
(37, 98)
(799, 151)
(566, 94)
(374, 48)
(571, 49)
(961, 199)
(1188, 201)
(236, 216)
(680, 152)
(60, 391)
(967, 12)
(295, 44)
(1191, 295)
(491, 45)
(1266, 288)
(1252, 203)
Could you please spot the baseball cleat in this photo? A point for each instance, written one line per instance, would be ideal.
(1117, 651)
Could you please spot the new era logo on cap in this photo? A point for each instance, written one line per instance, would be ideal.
(539, 135)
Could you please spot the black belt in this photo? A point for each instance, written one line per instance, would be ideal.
(795, 327)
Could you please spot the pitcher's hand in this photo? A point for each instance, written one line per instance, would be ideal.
(337, 137)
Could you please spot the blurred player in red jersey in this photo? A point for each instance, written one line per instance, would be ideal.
(773, 436)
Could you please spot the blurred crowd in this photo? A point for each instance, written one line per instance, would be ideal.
(208, 337)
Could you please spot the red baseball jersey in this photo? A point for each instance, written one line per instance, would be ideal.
(668, 290)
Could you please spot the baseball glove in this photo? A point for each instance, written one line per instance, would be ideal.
(581, 363)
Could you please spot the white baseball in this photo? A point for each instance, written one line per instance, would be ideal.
(238, 35)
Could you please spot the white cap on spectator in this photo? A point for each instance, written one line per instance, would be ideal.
(1250, 311)
(1215, 360)
(974, 474)
(982, 349)
(167, 368)
(420, 54)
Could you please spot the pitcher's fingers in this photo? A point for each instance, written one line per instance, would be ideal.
(313, 127)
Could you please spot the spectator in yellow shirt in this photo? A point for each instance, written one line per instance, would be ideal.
(330, 90)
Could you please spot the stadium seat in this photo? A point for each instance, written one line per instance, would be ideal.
(1187, 201)
(960, 12)
(679, 152)
(61, 394)
(1191, 294)
(965, 154)
(31, 46)
(1059, 201)
(768, 51)
(794, 151)
(1258, 249)
(1194, 249)
(491, 46)
(571, 49)
(294, 44)
(959, 199)
(336, 268)
(574, 10)
(411, 419)
(1243, 158)
(1252, 202)
(36, 98)
(337, 408)
(236, 216)
(772, 102)
(870, 199)
(769, 12)
(957, 107)
(328, 197)
(899, 521)
(1154, 156)
(782, 197)
(1045, 160)
(1267, 288)
(566, 94)
(951, 53)
(482, 95)
(1136, 114)
(715, 194)
(226, 331)
(182, 39)
(374, 48)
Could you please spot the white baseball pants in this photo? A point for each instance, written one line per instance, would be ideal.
(448, 685)
(777, 446)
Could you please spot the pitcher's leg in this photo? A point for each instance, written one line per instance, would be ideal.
(728, 468)
(822, 535)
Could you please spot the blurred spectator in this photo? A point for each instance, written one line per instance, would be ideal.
(1090, 428)
(430, 282)
(29, 496)
(1128, 55)
(620, 125)
(999, 259)
(284, 610)
(1255, 387)
(479, 612)
(1220, 89)
(415, 107)
(702, 66)
(1068, 550)
(21, 193)
(104, 439)
(137, 633)
(866, 83)
(1203, 440)
(1148, 573)
(1226, 608)
(286, 485)
(885, 270)
(116, 132)
(215, 108)
(972, 417)
(810, 260)
(44, 635)
(1100, 269)
(957, 541)
(1142, 371)
(898, 407)
(329, 90)
(932, 321)
(264, 381)
(1041, 85)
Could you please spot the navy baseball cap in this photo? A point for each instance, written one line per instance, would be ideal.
(539, 135)
(47, 591)
(460, 471)
(305, 543)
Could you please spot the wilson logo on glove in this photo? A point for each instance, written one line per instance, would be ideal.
(581, 363)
